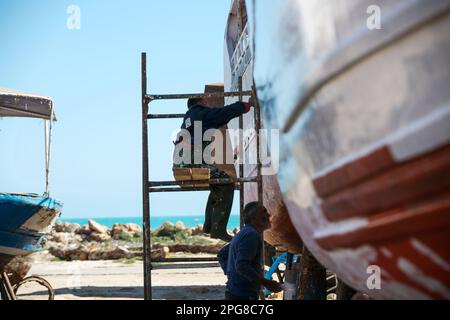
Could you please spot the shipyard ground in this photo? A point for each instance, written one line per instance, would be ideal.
(106, 280)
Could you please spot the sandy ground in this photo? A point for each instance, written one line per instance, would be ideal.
(102, 280)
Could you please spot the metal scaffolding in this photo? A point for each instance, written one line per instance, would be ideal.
(171, 186)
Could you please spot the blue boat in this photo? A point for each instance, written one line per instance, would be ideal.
(26, 218)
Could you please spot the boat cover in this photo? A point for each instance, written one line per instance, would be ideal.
(19, 104)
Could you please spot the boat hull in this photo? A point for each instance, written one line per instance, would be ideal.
(365, 137)
(239, 62)
(24, 221)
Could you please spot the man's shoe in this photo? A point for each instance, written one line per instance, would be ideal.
(223, 236)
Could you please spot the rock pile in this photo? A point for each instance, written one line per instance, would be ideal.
(126, 231)
(70, 241)
(95, 252)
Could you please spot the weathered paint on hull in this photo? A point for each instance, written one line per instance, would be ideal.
(24, 220)
(364, 151)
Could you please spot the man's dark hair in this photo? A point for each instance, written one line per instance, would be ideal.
(193, 101)
(250, 210)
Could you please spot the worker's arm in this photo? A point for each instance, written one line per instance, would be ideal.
(222, 256)
(218, 117)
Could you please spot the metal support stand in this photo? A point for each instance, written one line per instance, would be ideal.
(6, 289)
(175, 186)
(241, 158)
(313, 282)
(9, 292)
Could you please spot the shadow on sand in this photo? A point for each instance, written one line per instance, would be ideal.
(159, 292)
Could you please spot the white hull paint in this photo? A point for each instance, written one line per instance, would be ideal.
(339, 98)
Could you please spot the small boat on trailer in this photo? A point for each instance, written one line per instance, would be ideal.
(365, 141)
(26, 218)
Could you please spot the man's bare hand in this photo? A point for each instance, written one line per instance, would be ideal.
(272, 285)
(251, 102)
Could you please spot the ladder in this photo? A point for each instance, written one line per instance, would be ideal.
(149, 187)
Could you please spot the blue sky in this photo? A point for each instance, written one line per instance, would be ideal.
(93, 75)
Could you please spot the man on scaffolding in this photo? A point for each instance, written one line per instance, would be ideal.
(189, 153)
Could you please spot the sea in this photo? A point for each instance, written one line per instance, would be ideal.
(155, 222)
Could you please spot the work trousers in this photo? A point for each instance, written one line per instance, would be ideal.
(218, 207)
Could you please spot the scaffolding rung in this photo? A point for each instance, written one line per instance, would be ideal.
(166, 116)
(210, 181)
(185, 259)
(184, 189)
(151, 97)
(188, 265)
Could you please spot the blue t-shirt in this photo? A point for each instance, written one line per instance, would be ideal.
(241, 262)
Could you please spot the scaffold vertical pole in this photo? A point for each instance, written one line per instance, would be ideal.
(241, 157)
(258, 145)
(145, 181)
(257, 117)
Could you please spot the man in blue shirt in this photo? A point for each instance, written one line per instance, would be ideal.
(220, 200)
(241, 258)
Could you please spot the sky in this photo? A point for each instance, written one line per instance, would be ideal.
(93, 75)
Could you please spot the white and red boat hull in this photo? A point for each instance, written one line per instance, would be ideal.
(365, 135)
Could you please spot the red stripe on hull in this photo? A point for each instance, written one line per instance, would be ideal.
(399, 187)
(388, 226)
